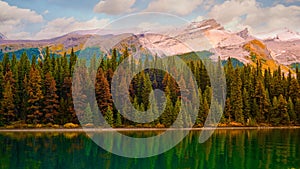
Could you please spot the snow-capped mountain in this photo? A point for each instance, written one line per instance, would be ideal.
(288, 35)
(206, 35)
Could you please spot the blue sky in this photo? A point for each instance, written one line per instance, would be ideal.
(39, 19)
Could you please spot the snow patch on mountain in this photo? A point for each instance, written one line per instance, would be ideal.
(288, 35)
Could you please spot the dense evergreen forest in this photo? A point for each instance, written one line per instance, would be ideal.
(39, 92)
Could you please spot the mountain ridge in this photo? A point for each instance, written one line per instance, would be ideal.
(197, 36)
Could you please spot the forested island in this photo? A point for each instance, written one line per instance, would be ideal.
(37, 93)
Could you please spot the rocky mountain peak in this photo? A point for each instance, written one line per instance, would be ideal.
(206, 25)
(244, 33)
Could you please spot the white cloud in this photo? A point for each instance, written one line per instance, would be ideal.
(148, 25)
(178, 7)
(198, 19)
(154, 27)
(8, 13)
(291, 1)
(207, 4)
(114, 7)
(63, 26)
(236, 15)
(46, 12)
(14, 19)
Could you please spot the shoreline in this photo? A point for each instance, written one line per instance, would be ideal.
(141, 129)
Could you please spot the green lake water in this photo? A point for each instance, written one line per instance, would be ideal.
(226, 149)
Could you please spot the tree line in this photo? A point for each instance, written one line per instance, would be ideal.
(39, 91)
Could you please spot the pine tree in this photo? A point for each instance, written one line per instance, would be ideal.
(200, 119)
(177, 109)
(109, 117)
(14, 66)
(137, 107)
(246, 105)
(118, 122)
(229, 72)
(72, 62)
(88, 115)
(114, 59)
(294, 90)
(228, 110)
(280, 114)
(262, 101)
(298, 74)
(7, 110)
(236, 98)
(205, 108)
(51, 102)
(291, 111)
(274, 118)
(66, 96)
(166, 117)
(147, 88)
(297, 110)
(47, 63)
(153, 109)
(102, 90)
(23, 74)
(35, 96)
(79, 93)
(5, 63)
(283, 109)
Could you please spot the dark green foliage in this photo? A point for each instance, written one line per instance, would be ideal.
(40, 91)
(7, 110)
(236, 98)
(280, 115)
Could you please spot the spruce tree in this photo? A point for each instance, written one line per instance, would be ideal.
(88, 115)
(7, 110)
(283, 110)
(280, 114)
(205, 108)
(297, 110)
(294, 90)
(51, 102)
(262, 101)
(118, 121)
(291, 111)
(166, 117)
(109, 117)
(275, 115)
(102, 90)
(35, 96)
(236, 98)
(200, 119)
(228, 110)
(147, 88)
(177, 109)
(23, 74)
(246, 105)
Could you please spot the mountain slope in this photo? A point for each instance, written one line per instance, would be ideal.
(207, 35)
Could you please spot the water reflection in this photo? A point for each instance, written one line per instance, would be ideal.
(225, 149)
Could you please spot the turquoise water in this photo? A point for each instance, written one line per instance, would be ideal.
(226, 149)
